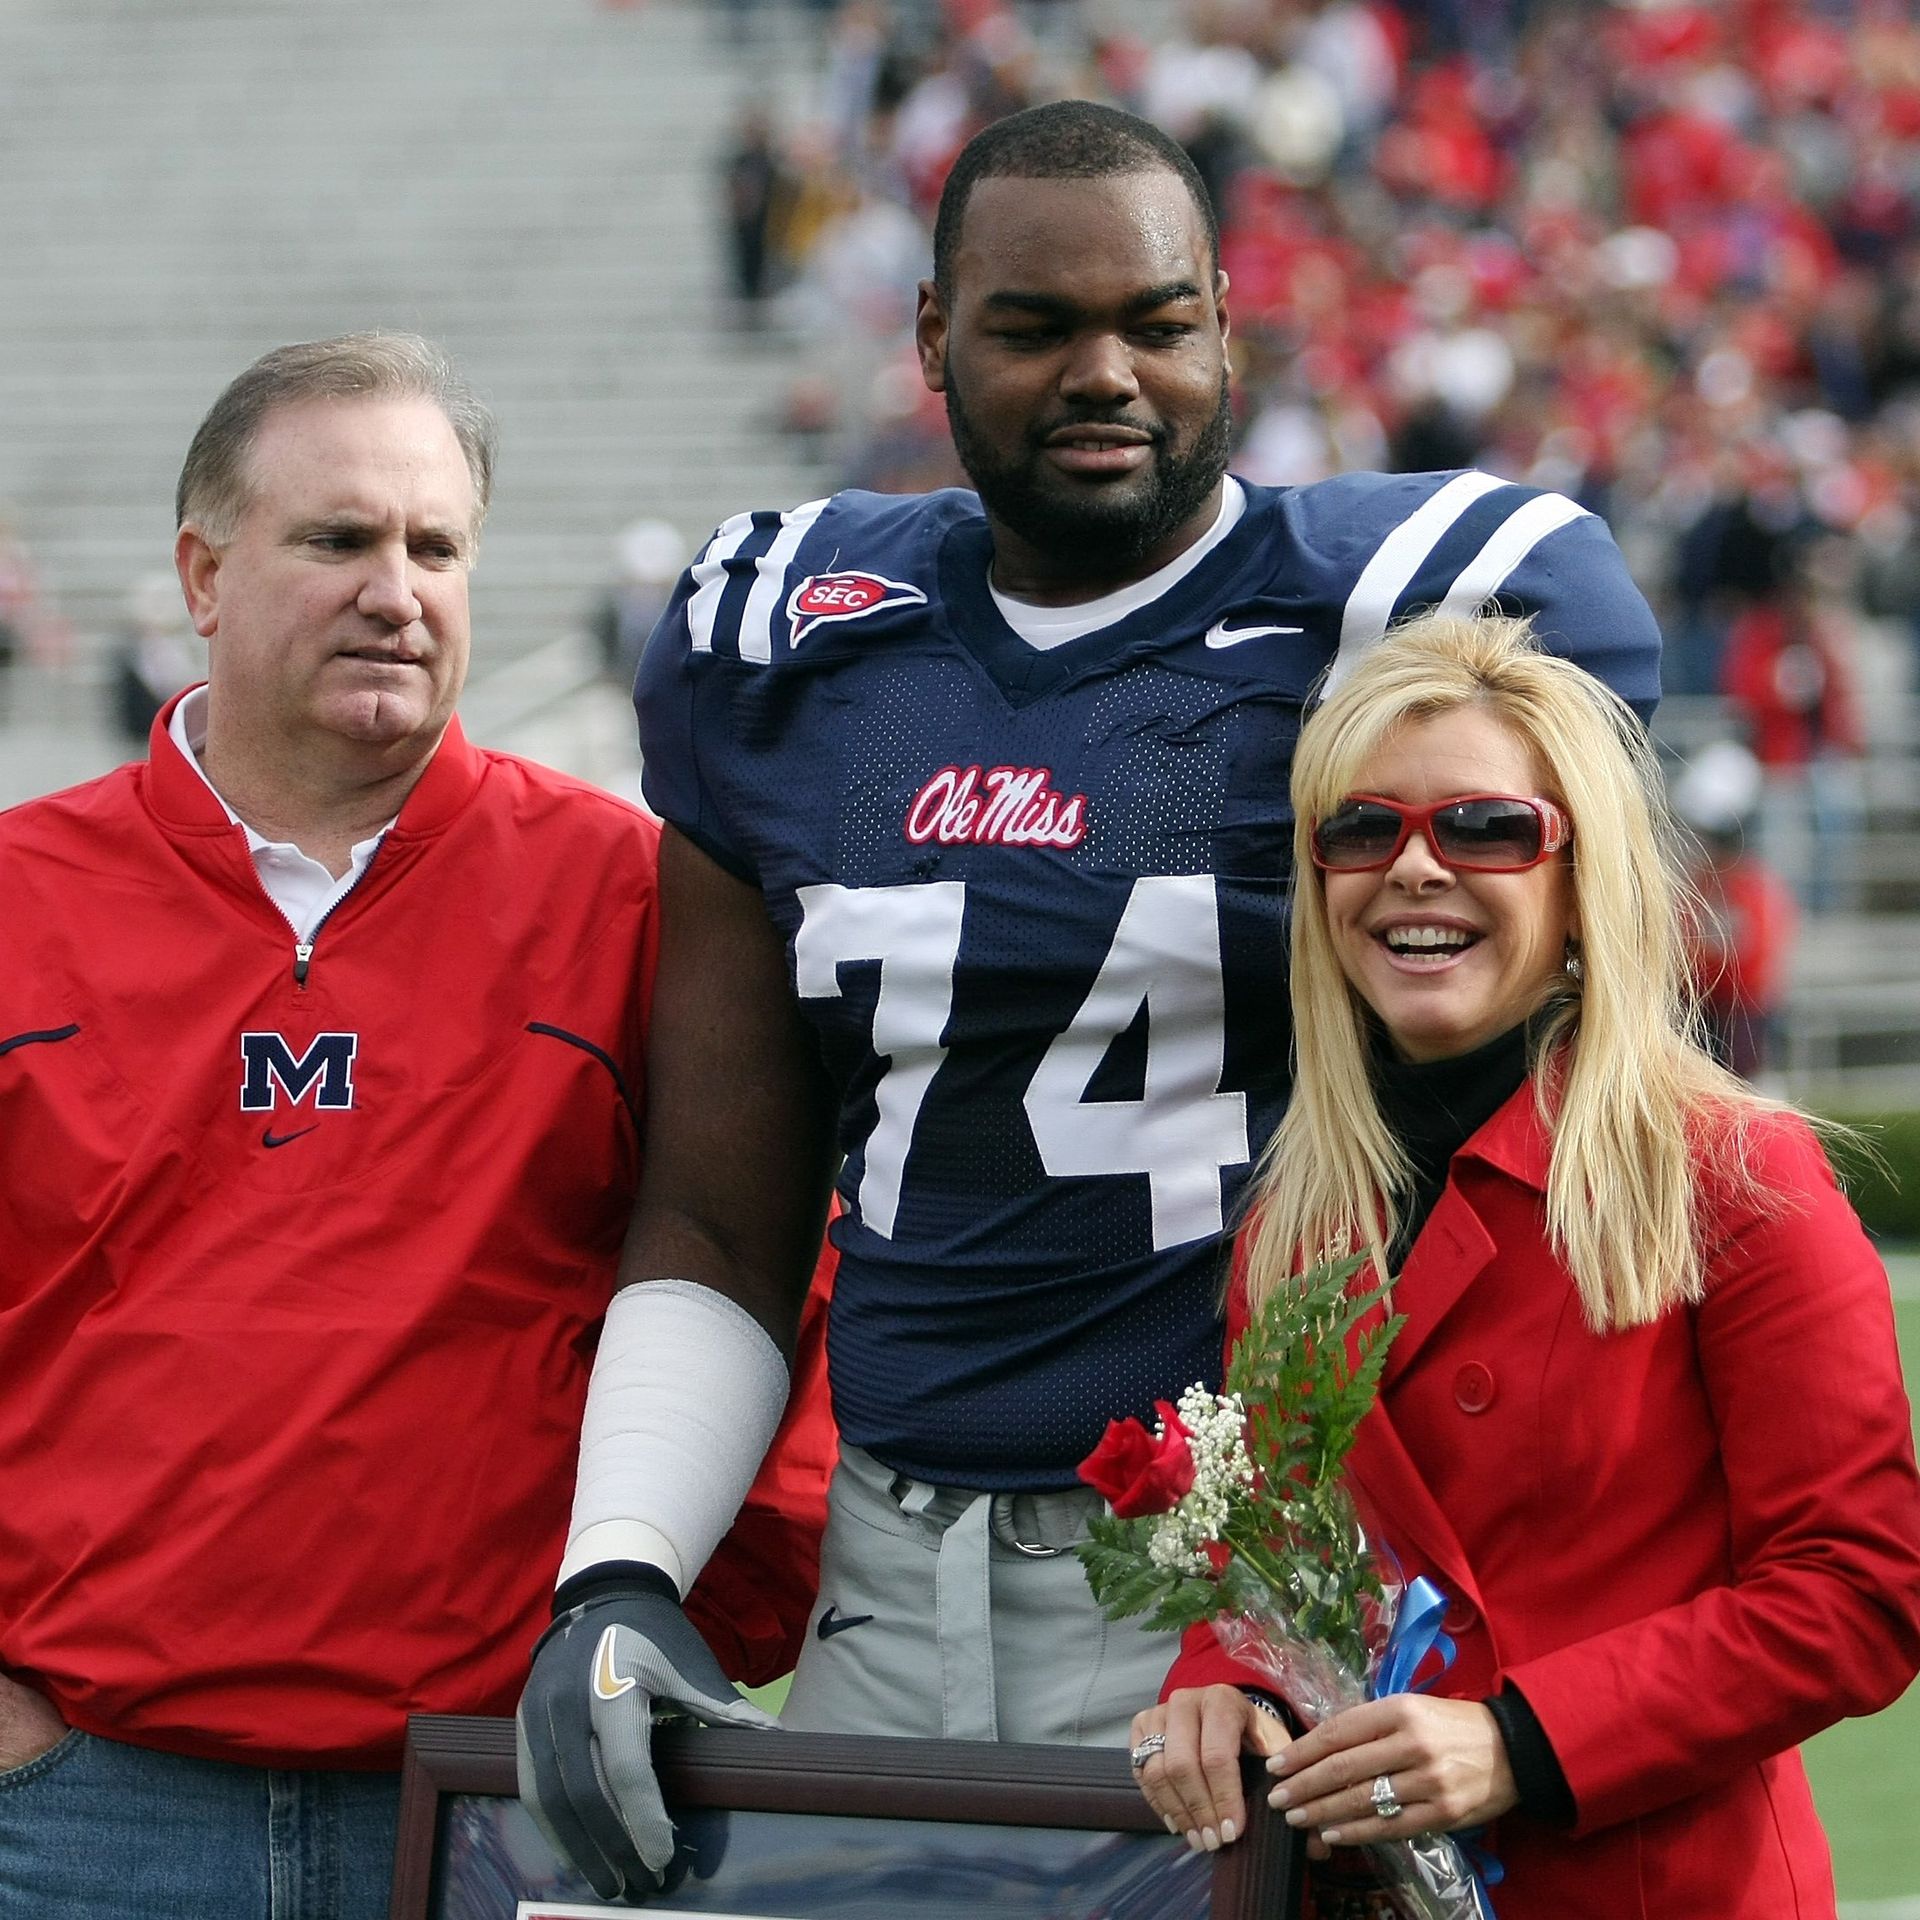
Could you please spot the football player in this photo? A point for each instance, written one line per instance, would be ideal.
(975, 871)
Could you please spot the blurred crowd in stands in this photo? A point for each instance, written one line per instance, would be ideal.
(1664, 258)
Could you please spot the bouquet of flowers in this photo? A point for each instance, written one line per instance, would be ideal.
(1233, 1509)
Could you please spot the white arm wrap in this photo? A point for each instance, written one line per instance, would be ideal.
(687, 1391)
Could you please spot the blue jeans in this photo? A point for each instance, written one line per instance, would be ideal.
(97, 1830)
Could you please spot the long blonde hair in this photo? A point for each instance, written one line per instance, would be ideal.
(1630, 1097)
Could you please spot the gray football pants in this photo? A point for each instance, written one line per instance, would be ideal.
(949, 1613)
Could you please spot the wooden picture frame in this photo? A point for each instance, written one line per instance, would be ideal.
(952, 1782)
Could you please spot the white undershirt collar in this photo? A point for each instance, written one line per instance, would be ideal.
(303, 890)
(1044, 628)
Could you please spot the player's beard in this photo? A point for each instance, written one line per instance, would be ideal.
(1093, 532)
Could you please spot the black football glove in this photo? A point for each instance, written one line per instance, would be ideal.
(619, 1650)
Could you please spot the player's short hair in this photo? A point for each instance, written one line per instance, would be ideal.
(215, 484)
(1062, 140)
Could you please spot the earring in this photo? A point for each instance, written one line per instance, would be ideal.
(1571, 962)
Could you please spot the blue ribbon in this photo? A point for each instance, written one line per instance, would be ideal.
(1417, 1632)
(1487, 1866)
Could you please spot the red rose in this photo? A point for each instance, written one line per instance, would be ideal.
(1141, 1472)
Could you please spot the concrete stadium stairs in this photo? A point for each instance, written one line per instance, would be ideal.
(188, 182)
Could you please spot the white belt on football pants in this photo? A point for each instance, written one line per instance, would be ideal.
(969, 1709)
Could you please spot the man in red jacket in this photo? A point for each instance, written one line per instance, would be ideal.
(322, 1051)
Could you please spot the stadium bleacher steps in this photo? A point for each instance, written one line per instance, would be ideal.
(189, 182)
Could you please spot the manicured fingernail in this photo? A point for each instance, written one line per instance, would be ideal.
(1193, 1841)
(1331, 1835)
(1277, 1764)
(1278, 1797)
(1229, 1832)
(1295, 1817)
(1173, 1825)
(1210, 1840)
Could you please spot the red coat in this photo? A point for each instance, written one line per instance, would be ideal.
(1690, 1546)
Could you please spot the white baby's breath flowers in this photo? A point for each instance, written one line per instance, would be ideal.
(1168, 1549)
(1216, 1440)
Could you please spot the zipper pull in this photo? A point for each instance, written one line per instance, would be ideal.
(302, 959)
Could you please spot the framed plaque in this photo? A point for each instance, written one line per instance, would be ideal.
(798, 1826)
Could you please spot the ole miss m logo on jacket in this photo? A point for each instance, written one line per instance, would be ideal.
(326, 1068)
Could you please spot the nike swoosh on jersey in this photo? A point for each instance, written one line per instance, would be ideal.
(272, 1139)
(608, 1681)
(1222, 635)
(834, 1621)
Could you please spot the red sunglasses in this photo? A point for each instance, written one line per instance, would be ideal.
(1477, 832)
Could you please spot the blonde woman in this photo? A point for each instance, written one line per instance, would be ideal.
(1644, 1422)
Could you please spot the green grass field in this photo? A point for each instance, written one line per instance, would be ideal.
(1865, 1772)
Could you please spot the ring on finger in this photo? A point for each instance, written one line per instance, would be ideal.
(1145, 1749)
(1386, 1803)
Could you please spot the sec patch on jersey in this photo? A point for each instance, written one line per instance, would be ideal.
(822, 599)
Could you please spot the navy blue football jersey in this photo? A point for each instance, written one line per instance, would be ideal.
(1034, 906)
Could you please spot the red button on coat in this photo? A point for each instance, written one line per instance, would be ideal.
(1473, 1388)
(1462, 1617)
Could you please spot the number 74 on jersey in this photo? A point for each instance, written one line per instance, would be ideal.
(1165, 955)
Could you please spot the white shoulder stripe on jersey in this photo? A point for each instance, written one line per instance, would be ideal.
(766, 601)
(1486, 573)
(710, 579)
(1397, 559)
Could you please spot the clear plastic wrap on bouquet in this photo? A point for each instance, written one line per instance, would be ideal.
(1427, 1876)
